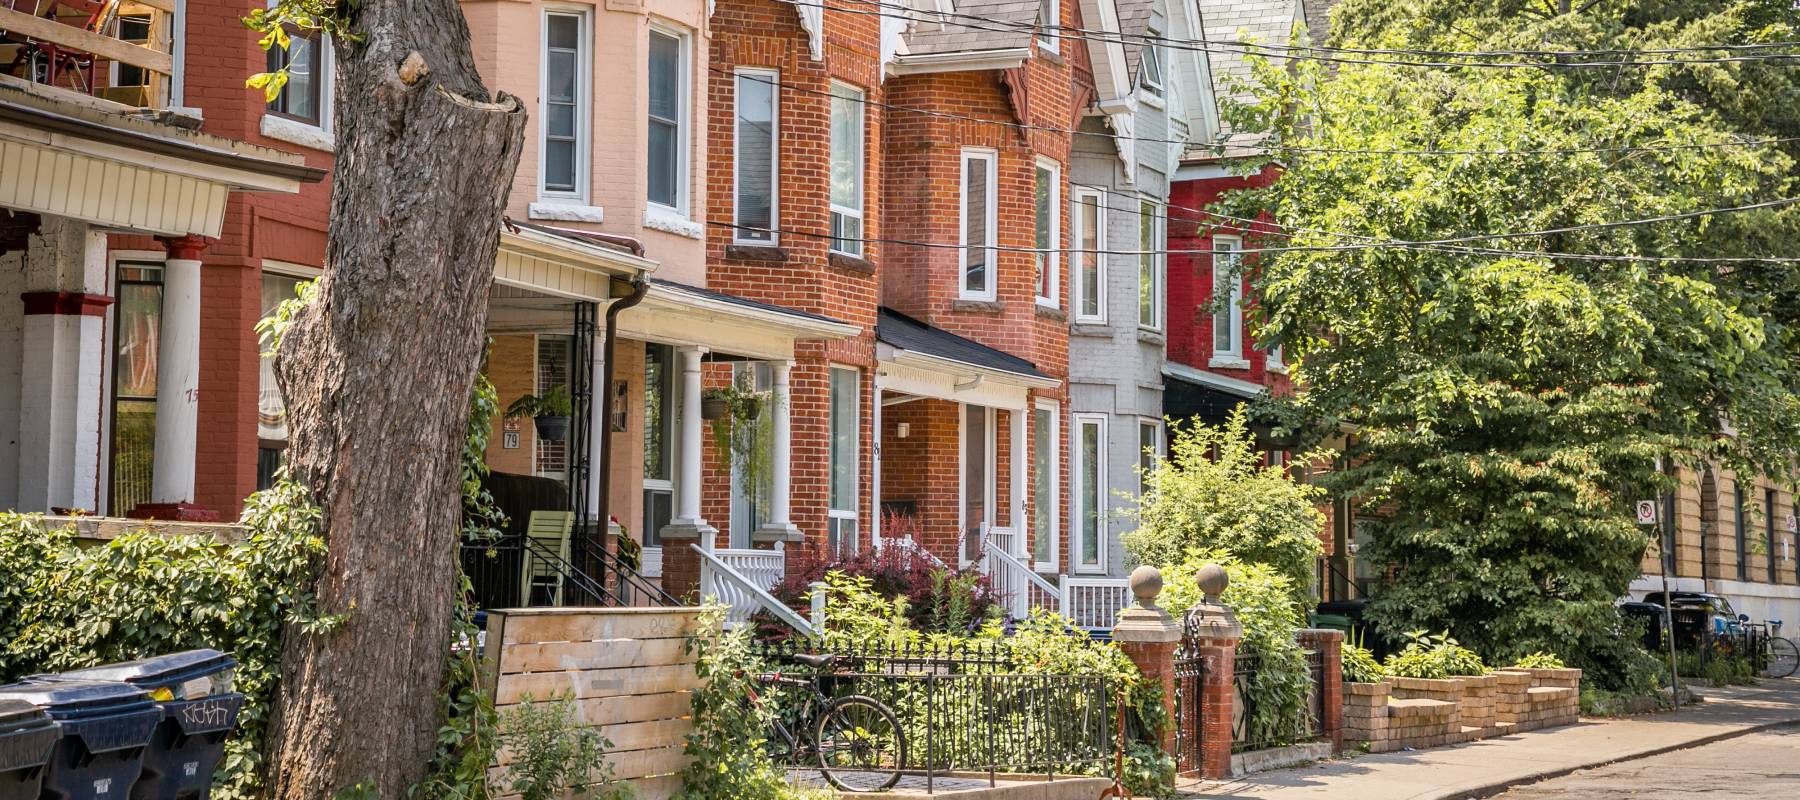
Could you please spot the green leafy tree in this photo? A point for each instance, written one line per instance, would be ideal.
(1215, 492)
(1510, 403)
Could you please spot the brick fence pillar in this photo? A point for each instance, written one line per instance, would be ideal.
(1330, 646)
(1148, 636)
(1213, 630)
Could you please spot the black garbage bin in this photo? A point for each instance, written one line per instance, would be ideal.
(199, 712)
(103, 729)
(26, 736)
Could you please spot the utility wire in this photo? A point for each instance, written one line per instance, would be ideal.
(984, 24)
(1279, 147)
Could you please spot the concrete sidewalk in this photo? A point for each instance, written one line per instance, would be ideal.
(1484, 768)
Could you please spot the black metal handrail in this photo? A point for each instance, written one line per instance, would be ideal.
(496, 569)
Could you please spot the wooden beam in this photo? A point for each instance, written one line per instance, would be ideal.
(86, 41)
(167, 6)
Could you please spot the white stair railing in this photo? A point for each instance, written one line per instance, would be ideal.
(765, 568)
(743, 594)
(1015, 580)
(1094, 602)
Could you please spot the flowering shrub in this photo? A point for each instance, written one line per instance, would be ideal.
(939, 599)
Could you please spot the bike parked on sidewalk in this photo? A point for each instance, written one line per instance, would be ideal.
(857, 741)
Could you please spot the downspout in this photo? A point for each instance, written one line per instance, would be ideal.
(603, 504)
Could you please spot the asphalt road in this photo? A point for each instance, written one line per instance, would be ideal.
(1761, 765)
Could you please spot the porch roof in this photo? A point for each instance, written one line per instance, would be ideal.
(905, 339)
(565, 263)
(676, 313)
(61, 157)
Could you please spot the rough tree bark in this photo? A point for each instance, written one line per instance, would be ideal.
(376, 374)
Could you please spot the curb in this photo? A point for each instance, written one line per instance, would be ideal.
(1498, 787)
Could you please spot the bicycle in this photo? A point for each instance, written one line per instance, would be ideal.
(856, 740)
(1780, 657)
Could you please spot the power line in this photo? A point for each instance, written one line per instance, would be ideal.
(1199, 45)
(1188, 144)
(1373, 245)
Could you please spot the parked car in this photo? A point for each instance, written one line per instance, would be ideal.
(1699, 616)
(1651, 617)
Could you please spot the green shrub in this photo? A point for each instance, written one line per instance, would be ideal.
(552, 752)
(1360, 665)
(1539, 660)
(1433, 656)
(1215, 493)
(1263, 600)
(64, 606)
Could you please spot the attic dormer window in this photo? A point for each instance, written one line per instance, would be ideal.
(1050, 25)
(1150, 69)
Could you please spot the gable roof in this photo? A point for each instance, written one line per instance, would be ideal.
(1134, 20)
(1268, 22)
(953, 34)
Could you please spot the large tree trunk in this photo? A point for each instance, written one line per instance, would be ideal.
(376, 374)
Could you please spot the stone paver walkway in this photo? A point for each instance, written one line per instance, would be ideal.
(1485, 768)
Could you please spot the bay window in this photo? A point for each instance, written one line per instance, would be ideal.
(846, 169)
(1087, 264)
(1048, 225)
(756, 160)
(978, 220)
(1150, 265)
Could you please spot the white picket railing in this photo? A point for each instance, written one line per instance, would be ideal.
(765, 568)
(745, 595)
(1094, 602)
(1016, 581)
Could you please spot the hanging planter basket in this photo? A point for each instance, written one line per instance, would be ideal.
(712, 408)
(552, 429)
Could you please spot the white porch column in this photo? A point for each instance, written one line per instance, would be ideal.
(596, 390)
(688, 524)
(780, 525)
(1021, 464)
(57, 369)
(177, 387)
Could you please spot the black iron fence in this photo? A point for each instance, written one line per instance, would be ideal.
(964, 708)
(518, 571)
(1249, 731)
(1190, 707)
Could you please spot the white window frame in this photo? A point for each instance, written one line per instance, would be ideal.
(1276, 361)
(1054, 512)
(1050, 33)
(1081, 261)
(1155, 52)
(1158, 254)
(1052, 259)
(989, 487)
(773, 77)
(1078, 507)
(1155, 427)
(992, 213)
(831, 511)
(1234, 310)
(584, 103)
(850, 248)
(684, 132)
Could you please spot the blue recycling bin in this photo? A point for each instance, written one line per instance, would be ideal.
(26, 736)
(194, 689)
(103, 731)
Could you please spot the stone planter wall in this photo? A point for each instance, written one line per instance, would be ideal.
(1419, 713)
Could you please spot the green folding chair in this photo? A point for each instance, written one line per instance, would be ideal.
(541, 577)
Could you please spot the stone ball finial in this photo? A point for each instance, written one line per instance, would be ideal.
(1146, 584)
(1213, 580)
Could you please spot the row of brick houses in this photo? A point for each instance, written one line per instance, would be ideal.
(959, 244)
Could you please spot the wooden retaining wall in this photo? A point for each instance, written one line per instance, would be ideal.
(627, 669)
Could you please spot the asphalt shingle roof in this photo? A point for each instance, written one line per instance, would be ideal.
(744, 301)
(1260, 21)
(955, 36)
(899, 330)
(1134, 20)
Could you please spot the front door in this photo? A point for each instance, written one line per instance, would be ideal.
(978, 479)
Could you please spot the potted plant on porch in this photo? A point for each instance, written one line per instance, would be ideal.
(549, 412)
(733, 412)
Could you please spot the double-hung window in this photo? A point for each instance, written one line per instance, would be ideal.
(757, 156)
(1150, 451)
(1089, 469)
(1087, 264)
(1049, 231)
(1050, 25)
(1150, 264)
(846, 416)
(847, 169)
(564, 112)
(666, 162)
(978, 221)
(1045, 505)
(303, 97)
(1228, 297)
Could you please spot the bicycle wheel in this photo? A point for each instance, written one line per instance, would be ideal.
(1784, 657)
(861, 746)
